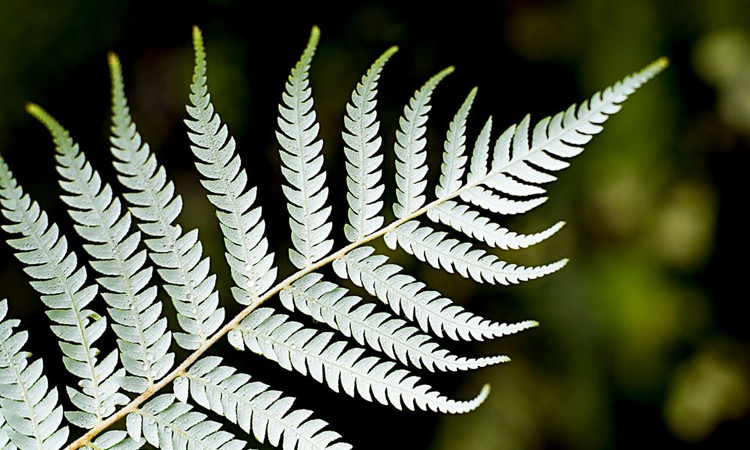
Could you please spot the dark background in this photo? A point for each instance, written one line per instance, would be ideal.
(644, 335)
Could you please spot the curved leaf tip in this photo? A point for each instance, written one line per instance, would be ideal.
(60, 136)
(479, 399)
(661, 63)
(198, 41)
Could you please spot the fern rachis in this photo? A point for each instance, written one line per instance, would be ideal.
(505, 176)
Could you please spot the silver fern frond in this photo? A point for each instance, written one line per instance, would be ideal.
(505, 175)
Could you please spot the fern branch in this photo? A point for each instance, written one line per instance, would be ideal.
(478, 164)
(452, 169)
(254, 407)
(363, 164)
(411, 157)
(219, 164)
(302, 167)
(178, 256)
(452, 255)
(55, 276)
(305, 350)
(30, 415)
(327, 302)
(486, 199)
(142, 333)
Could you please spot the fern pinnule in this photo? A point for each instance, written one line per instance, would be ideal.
(220, 166)
(62, 285)
(114, 440)
(30, 416)
(141, 328)
(178, 256)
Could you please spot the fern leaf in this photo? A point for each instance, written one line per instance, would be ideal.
(452, 169)
(327, 302)
(4, 438)
(141, 328)
(306, 350)
(115, 440)
(30, 415)
(302, 167)
(407, 296)
(478, 164)
(256, 408)
(452, 255)
(486, 199)
(411, 157)
(363, 165)
(219, 164)
(178, 256)
(471, 223)
(55, 276)
(166, 423)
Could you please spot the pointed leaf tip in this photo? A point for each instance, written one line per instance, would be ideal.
(44, 117)
(198, 40)
(112, 59)
(312, 43)
(33, 108)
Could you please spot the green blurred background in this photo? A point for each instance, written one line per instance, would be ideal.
(644, 335)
